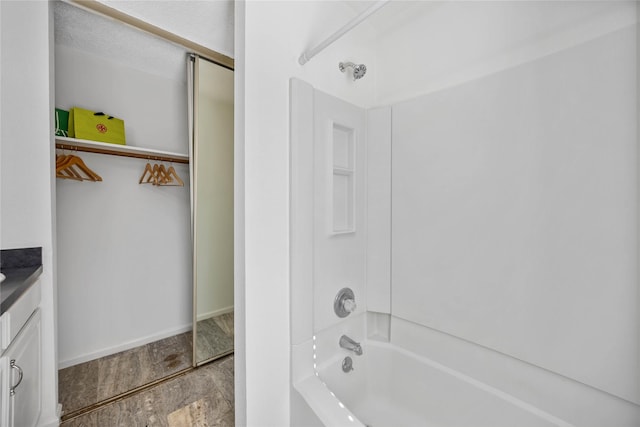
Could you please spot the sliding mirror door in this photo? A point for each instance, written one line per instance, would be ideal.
(212, 176)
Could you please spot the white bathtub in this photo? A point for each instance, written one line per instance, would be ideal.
(391, 387)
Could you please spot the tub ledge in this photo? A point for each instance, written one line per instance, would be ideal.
(325, 404)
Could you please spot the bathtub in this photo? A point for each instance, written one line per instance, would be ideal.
(392, 387)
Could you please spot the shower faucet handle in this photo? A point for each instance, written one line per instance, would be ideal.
(345, 302)
(349, 305)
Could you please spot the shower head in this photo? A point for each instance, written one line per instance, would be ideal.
(359, 70)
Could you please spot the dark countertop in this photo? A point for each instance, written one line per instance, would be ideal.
(22, 267)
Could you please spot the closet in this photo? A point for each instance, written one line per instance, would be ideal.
(124, 249)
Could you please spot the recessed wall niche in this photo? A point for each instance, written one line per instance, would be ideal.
(343, 179)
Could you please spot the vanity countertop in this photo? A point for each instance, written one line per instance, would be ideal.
(22, 267)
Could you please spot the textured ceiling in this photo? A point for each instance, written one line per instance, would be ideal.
(97, 35)
(206, 22)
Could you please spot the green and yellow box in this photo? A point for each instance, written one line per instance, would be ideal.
(62, 122)
(96, 126)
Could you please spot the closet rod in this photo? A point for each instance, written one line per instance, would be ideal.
(138, 155)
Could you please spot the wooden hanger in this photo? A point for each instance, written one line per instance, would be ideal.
(67, 173)
(156, 175)
(163, 178)
(65, 169)
(147, 174)
(159, 175)
(77, 161)
(173, 176)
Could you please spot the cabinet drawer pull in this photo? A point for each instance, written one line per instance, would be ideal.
(12, 364)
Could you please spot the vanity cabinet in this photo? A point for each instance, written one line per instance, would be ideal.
(20, 364)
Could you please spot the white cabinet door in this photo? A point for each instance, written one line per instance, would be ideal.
(24, 376)
(4, 392)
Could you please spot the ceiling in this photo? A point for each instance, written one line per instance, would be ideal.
(206, 22)
(209, 23)
(393, 14)
(98, 35)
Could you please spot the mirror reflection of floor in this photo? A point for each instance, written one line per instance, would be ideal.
(214, 337)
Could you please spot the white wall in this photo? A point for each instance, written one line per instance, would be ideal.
(275, 34)
(124, 249)
(153, 106)
(518, 229)
(26, 187)
(239, 277)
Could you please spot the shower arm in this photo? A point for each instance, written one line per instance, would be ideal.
(310, 53)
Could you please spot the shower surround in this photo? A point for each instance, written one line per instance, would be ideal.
(489, 232)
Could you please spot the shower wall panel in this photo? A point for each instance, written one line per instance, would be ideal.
(339, 189)
(379, 210)
(514, 213)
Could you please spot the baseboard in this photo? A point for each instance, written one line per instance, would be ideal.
(124, 346)
(214, 313)
(55, 422)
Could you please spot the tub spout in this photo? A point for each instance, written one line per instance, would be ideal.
(349, 344)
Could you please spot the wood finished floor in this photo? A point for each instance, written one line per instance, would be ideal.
(89, 383)
(203, 397)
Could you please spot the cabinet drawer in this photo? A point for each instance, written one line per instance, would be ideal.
(14, 319)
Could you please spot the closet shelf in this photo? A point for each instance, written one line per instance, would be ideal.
(119, 150)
